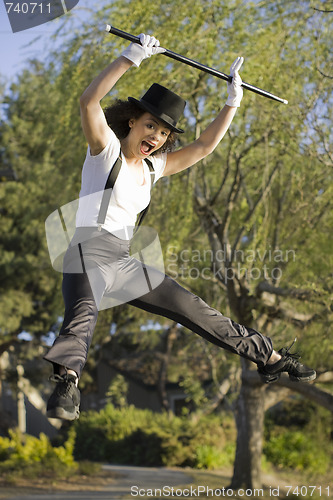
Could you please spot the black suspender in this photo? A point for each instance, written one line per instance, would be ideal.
(109, 185)
(108, 191)
(142, 214)
(151, 171)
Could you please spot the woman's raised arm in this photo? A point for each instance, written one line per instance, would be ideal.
(95, 127)
(214, 133)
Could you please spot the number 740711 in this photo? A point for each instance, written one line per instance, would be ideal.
(28, 8)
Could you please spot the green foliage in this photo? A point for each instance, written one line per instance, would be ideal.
(141, 437)
(210, 457)
(88, 468)
(29, 456)
(267, 186)
(294, 449)
(286, 48)
(194, 391)
(117, 392)
(298, 436)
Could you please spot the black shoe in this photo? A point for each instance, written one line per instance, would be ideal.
(288, 363)
(64, 402)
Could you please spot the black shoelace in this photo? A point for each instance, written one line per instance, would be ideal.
(63, 384)
(291, 359)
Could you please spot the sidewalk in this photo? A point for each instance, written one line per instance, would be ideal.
(132, 477)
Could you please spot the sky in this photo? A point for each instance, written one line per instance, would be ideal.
(17, 48)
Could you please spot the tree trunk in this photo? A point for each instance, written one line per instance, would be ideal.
(21, 410)
(250, 426)
(169, 338)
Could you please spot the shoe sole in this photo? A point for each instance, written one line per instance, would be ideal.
(303, 379)
(63, 414)
(269, 379)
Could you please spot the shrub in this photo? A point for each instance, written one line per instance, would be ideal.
(296, 450)
(210, 457)
(298, 436)
(142, 437)
(31, 456)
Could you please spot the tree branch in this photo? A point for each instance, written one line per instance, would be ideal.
(309, 391)
(252, 211)
(294, 293)
(324, 74)
(233, 192)
(322, 10)
(325, 378)
(225, 176)
(168, 341)
(222, 391)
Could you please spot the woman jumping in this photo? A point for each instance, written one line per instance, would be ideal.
(130, 148)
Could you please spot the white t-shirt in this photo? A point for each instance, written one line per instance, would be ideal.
(128, 198)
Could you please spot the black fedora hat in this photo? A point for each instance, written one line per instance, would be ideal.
(162, 103)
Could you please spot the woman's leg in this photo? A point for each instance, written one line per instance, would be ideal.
(173, 301)
(90, 265)
(70, 349)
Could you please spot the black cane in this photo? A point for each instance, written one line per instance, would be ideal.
(195, 64)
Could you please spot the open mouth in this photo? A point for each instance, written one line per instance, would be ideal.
(146, 148)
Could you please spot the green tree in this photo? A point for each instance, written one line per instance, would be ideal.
(28, 290)
(261, 203)
(269, 214)
(117, 392)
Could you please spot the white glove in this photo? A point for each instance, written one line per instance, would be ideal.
(137, 53)
(235, 91)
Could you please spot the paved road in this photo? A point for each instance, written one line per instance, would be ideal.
(141, 477)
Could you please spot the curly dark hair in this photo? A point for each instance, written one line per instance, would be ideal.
(118, 115)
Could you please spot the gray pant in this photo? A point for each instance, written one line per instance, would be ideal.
(106, 271)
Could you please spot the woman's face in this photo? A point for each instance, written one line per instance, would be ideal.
(147, 134)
